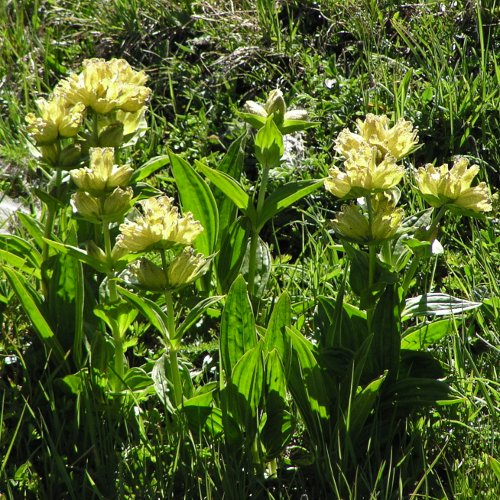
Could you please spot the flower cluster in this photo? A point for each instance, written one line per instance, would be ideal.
(370, 157)
(106, 86)
(102, 193)
(108, 96)
(370, 171)
(160, 228)
(440, 186)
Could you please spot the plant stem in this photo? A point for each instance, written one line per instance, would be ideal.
(372, 260)
(113, 294)
(113, 298)
(172, 344)
(49, 226)
(252, 261)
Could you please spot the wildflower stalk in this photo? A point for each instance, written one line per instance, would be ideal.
(174, 361)
(252, 262)
(49, 226)
(113, 298)
(372, 259)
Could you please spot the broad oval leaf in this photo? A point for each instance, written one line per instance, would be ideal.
(231, 188)
(237, 331)
(246, 387)
(436, 304)
(30, 303)
(148, 168)
(285, 196)
(427, 334)
(197, 198)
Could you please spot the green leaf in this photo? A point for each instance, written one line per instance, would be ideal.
(63, 276)
(33, 226)
(201, 416)
(386, 327)
(254, 120)
(136, 379)
(425, 335)
(79, 254)
(21, 248)
(278, 428)
(31, 305)
(263, 263)
(285, 196)
(232, 252)
(150, 310)
(436, 304)
(361, 407)
(290, 126)
(148, 168)
(19, 263)
(281, 317)
(237, 331)
(306, 383)
(118, 316)
(231, 164)
(231, 188)
(197, 198)
(269, 147)
(495, 466)
(195, 313)
(416, 393)
(246, 386)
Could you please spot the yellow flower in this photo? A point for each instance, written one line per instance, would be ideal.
(160, 226)
(103, 175)
(352, 225)
(364, 174)
(375, 131)
(186, 267)
(58, 118)
(440, 186)
(105, 86)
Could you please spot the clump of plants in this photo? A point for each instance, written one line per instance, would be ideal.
(112, 256)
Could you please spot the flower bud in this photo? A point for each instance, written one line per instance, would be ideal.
(111, 136)
(70, 156)
(116, 204)
(275, 104)
(186, 268)
(86, 205)
(148, 275)
(96, 252)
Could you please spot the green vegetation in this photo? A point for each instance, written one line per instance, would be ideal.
(276, 336)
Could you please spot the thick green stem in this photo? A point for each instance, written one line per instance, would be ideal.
(113, 298)
(372, 260)
(252, 261)
(172, 344)
(49, 226)
(113, 294)
(118, 361)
